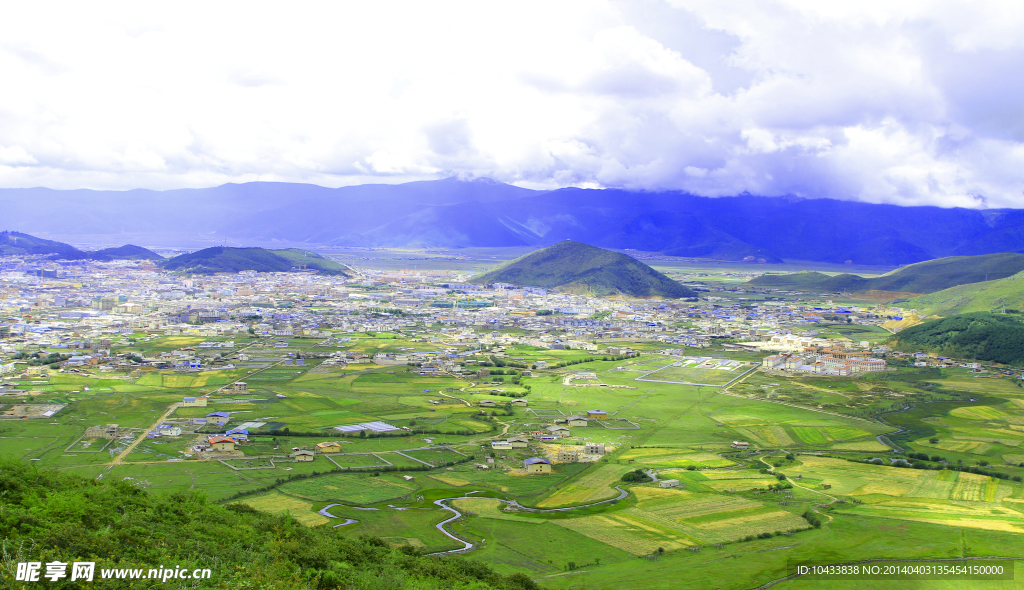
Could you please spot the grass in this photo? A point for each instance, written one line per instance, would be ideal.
(356, 488)
(278, 503)
(593, 485)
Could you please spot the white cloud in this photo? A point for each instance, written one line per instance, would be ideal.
(908, 102)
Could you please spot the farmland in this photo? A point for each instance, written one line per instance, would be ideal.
(814, 448)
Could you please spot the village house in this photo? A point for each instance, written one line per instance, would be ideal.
(518, 442)
(592, 448)
(537, 465)
(194, 402)
(597, 414)
(739, 445)
(576, 420)
(328, 447)
(519, 402)
(221, 443)
(487, 403)
(303, 455)
(169, 430)
(567, 455)
(501, 445)
(240, 387)
(557, 431)
(669, 483)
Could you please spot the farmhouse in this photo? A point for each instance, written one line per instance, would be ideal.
(328, 447)
(303, 455)
(520, 402)
(597, 414)
(169, 430)
(518, 442)
(501, 445)
(669, 483)
(576, 420)
(194, 402)
(557, 430)
(537, 465)
(740, 445)
(487, 403)
(222, 443)
(240, 387)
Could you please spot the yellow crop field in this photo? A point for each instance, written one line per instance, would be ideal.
(700, 506)
(972, 487)
(844, 432)
(181, 381)
(754, 524)
(931, 485)
(627, 532)
(649, 495)
(676, 458)
(864, 445)
(964, 446)
(886, 488)
(653, 453)
(590, 487)
(847, 477)
(979, 413)
(276, 503)
(740, 484)
(728, 475)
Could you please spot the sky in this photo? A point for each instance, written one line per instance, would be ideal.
(907, 102)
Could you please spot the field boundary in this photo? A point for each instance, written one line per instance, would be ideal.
(385, 463)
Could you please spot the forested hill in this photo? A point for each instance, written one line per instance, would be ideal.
(48, 516)
(226, 259)
(980, 335)
(922, 277)
(573, 267)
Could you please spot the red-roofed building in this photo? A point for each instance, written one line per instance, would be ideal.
(222, 443)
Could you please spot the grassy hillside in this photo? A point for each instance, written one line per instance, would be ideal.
(49, 516)
(985, 296)
(223, 259)
(126, 252)
(922, 277)
(979, 335)
(17, 243)
(580, 268)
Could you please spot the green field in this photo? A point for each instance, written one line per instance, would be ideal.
(722, 527)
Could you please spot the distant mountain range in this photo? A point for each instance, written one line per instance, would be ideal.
(578, 268)
(223, 259)
(922, 277)
(17, 244)
(453, 213)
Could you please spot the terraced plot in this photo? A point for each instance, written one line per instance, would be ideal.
(669, 457)
(592, 486)
(277, 503)
(767, 436)
(629, 531)
(357, 488)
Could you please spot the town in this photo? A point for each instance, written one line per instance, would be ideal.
(448, 416)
